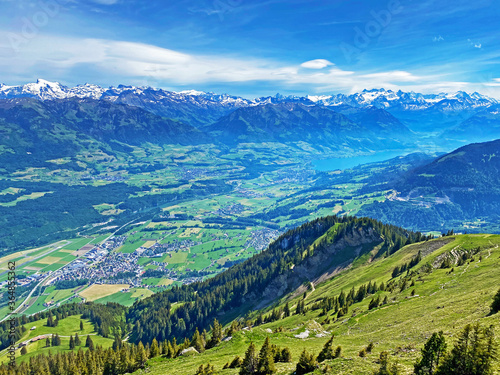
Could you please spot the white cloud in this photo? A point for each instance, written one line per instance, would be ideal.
(474, 44)
(316, 64)
(438, 39)
(64, 58)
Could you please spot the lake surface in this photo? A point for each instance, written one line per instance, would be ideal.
(332, 164)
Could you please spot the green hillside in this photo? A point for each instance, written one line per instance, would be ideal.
(397, 302)
(442, 299)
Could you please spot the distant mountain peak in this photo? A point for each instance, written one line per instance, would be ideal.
(379, 97)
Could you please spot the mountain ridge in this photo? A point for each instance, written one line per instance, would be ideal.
(380, 98)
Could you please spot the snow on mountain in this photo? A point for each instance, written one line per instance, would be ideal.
(41, 89)
(140, 96)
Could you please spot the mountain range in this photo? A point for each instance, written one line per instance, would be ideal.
(380, 98)
(440, 114)
(458, 187)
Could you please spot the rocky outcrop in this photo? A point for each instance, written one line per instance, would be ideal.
(325, 263)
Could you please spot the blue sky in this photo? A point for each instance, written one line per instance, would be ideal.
(254, 48)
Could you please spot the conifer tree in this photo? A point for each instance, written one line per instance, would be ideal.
(71, 343)
(250, 362)
(266, 359)
(236, 362)
(338, 352)
(154, 350)
(432, 353)
(327, 351)
(175, 348)
(385, 366)
(47, 342)
(216, 335)
(164, 347)
(495, 306)
(24, 350)
(473, 353)
(285, 355)
(89, 343)
(286, 310)
(197, 342)
(140, 356)
(307, 363)
(81, 325)
(78, 342)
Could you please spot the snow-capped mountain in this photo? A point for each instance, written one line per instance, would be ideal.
(386, 99)
(45, 90)
(380, 98)
(204, 108)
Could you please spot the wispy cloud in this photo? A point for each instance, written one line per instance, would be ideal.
(475, 44)
(53, 57)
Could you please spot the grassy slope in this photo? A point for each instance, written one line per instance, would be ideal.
(65, 328)
(442, 302)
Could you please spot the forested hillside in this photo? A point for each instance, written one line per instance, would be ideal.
(299, 255)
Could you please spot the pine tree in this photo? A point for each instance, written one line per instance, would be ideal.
(196, 342)
(47, 342)
(338, 352)
(370, 347)
(24, 350)
(216, 335)
(327, 351)
(78, 342)
(433, 352)
(164, 347)
(250, 362)
(117, 343)
(286, 310)
(285, 355)
(154, 350)
(495, 306)
(307, 363)
(236, 362)
(473, 353)
(71, 343)
(266, 359)
(89, 343)
(140, 356)
(175, 348)
(81, 325)
(385, 365)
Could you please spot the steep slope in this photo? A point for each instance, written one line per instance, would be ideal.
(420, 112)
(483, 126)
(377, 120)
(457, 187)
(295, 122)
(316, 250)
(32, 132)
(425, 300)
(390, 303)
(192, 107)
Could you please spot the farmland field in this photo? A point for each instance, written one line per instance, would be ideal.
(97, 291)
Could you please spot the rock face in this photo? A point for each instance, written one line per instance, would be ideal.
(322, 265)
(189, 351)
